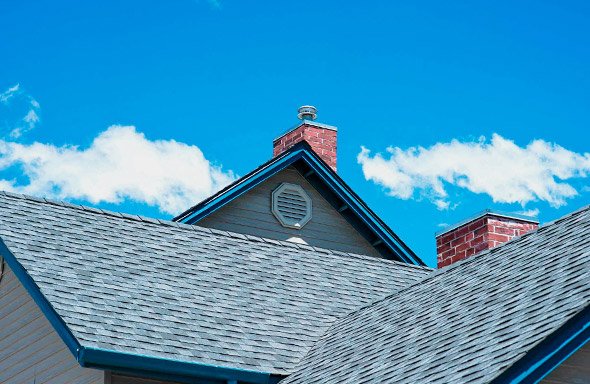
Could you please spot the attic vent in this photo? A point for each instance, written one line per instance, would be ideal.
(291, 205)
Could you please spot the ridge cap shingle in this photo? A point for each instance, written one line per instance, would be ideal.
(515, 239)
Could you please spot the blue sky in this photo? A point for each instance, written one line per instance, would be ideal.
(223, 78)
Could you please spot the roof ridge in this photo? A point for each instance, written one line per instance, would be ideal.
(193, 227)
(437, 272)
(516, 239)
(310, 164)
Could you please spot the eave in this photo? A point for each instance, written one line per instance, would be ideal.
(547, 355)
(130, 363)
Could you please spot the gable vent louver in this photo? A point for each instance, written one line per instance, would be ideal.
(291, 205)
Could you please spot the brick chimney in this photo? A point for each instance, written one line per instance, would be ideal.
(485, 230)
(321, 137)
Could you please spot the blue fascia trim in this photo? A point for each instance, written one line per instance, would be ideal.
(243, 187)
(365, 215)
(337, 187)
(170, 368)
(551, 352)
(46, 308)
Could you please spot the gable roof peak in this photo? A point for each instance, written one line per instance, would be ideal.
(326, 181)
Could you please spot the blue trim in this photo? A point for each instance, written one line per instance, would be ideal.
(368, 217)
(551, 352)
(305, 153)
(169, 369)
(46, 308)
(127, 362)
(240, 188)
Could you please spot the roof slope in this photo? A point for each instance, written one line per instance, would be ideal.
(464, 323)
(170, 290)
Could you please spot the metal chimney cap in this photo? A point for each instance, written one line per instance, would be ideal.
(307, 112)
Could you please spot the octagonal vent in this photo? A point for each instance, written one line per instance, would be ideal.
(291, 205)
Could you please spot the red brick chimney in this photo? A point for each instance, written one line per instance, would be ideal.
(482, 231)
(321, 137)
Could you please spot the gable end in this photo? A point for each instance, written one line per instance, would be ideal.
(333, 189)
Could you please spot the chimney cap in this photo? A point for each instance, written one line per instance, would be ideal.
(487, 212)
(307, 112)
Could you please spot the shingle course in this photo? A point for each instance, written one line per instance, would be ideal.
(171, 290)
(464, 323)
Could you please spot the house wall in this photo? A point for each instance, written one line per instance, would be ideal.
(30, 349)
(251, 214)
(575, 370)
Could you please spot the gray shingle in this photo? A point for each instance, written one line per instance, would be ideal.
(176, 291)
(464, 323)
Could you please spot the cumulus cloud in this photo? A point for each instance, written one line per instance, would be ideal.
(121, 163)
(499, 168)
(18, 101)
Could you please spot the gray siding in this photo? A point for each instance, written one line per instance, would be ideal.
(575, 370)
(251, 214)
(30, 349)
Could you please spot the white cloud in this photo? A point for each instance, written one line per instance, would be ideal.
(30, 120)
(31, 117)
(529, 212)
(15, 97)
(120, 164)
(499, 168)
(9, 93)
(441, 204)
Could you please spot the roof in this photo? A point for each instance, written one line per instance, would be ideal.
(166, 290)
(327, 182)
(469, 322)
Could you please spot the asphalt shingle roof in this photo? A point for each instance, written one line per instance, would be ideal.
(464, 323)
(159, 288)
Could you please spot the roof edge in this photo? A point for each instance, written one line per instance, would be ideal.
(435, 273)
(44, 305)
(302, 151)
(170, 369)
(550, 352)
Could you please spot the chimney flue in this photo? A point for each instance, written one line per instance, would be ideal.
(307, 112)
(321, 137)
